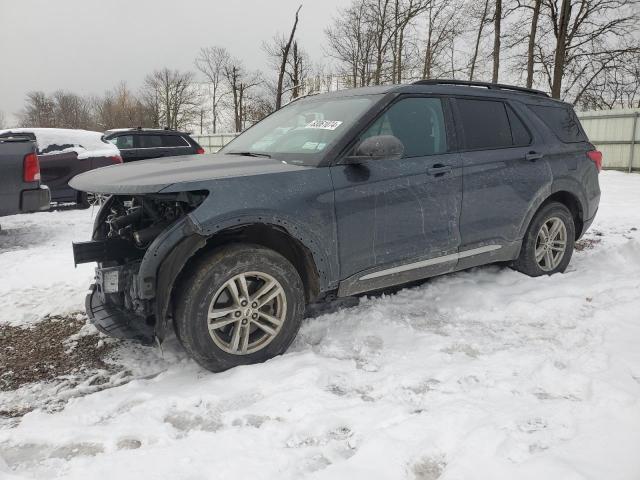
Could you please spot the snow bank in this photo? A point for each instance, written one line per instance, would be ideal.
(84, 142)
(483, 374)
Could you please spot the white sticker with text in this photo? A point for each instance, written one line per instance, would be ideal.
(324, 124)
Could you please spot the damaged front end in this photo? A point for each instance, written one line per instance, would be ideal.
(131, 236)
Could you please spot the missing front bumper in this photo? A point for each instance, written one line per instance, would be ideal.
(117, 322)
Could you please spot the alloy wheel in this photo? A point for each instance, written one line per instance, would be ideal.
(247, 313)
(551, 244)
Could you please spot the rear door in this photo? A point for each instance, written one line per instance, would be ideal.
(395, 215)
(504, 171)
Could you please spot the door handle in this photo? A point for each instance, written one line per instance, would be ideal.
(533, 156)
(439, 169)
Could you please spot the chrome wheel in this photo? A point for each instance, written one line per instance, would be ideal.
(551, 244)
(247, 313)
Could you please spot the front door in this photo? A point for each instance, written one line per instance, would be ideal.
(397, 219)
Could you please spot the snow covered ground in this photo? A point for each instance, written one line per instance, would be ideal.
(484, 374)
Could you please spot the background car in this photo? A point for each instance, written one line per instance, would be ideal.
(20, 188)
(143, 143)
(64, 153)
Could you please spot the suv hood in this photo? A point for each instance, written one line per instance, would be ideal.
(153, 176)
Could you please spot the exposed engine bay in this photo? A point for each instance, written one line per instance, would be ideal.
(140, 219)
(125, 228)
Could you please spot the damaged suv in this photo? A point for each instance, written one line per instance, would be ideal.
(335, 195)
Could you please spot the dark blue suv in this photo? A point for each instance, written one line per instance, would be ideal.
(332, 196)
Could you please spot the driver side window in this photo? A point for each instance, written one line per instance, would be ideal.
(418, 122)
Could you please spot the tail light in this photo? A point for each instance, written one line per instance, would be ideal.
(116, 159)
(31, 168)
(596, 157)
(200, 151)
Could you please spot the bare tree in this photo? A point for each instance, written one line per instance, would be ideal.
(211, 62)
(482, 22)
(298, 70)
(497, 27)
(284, 59)
(404, 13)
(121, 108)
(239, 83)
(442, 23)
(2, 120)
(535, 16)
(351, 43)
(72, 111)
(586, 31)
(174, 94)
(39, 111)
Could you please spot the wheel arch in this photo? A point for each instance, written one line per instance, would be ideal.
(568, 198)
(311, 264)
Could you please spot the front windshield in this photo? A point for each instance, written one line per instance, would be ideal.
(300, 132)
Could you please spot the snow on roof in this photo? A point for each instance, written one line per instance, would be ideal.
(55, 140)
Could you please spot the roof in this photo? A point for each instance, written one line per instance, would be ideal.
(160, 131)
(446, 87)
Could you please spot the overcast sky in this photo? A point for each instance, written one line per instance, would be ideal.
(87, 46)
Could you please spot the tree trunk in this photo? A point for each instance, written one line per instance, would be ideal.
(478, 37)
(283, 64)
(561, 49)
(496, 41)
(428, 57)
(532, 42)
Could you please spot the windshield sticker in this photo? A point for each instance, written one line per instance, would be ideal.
(324, 124)
(310, 145)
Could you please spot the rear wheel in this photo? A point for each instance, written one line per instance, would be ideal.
(239, 305)
(548, 244)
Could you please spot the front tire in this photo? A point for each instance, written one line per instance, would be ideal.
(239, 305)
(548, 244)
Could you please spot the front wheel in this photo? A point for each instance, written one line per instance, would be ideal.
(239, 305)
(548, 244)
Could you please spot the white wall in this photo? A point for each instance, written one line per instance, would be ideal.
(214, 142)
(612, 132)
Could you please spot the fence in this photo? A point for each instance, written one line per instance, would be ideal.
(213, 143)
(616, 134)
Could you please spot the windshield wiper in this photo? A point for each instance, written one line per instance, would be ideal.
(250, 154)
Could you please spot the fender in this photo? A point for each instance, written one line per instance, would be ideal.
(326, 261)
(171, 251)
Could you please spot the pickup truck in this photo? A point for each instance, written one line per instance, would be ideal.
(20, 188)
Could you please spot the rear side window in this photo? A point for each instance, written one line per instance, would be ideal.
(174, 141)
(150, 141)
(519, 133)
(491, 124)
(562, 121)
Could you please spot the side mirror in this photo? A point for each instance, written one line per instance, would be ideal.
(380, 147)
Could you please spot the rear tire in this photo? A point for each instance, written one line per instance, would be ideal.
(548, 244)
(239, 305)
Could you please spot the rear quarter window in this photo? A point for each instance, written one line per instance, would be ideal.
(562, 121)
(174, 141)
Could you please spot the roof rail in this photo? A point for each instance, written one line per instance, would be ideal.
(490, 86)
